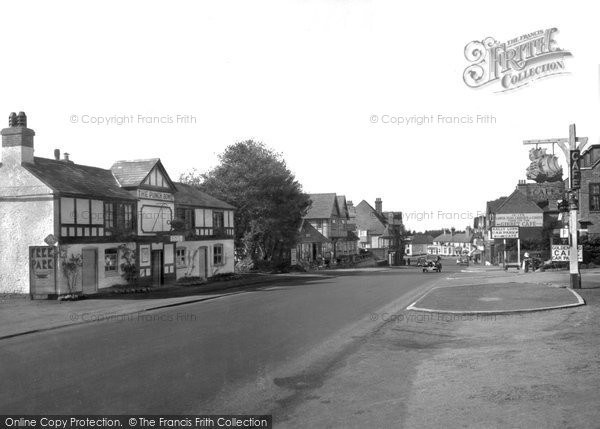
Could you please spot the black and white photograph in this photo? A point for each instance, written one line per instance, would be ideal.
(299, 214)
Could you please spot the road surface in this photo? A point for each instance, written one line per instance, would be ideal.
(241, 353)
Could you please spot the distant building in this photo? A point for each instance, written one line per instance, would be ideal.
(380, 232)
(453, 244)
(417, 244)
(328, 214)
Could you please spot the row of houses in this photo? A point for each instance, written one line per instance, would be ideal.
(449, 243)
(334, 230)
(71, 227)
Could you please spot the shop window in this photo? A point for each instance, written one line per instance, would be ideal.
(594, 196)
(110, 261)
(218, 254)
(180, 257)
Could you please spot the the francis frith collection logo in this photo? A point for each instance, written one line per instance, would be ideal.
(514, 63)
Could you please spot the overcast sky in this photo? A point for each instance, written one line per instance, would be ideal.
(305, 78)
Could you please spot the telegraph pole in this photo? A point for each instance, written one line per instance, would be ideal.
(571, 152)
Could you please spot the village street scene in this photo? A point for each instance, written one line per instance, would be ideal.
(231, 249)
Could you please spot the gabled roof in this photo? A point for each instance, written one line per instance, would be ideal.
(309, 234)
(492, 206)
(341, 201)
(323, 206)
(131, 174)
(518, 203)
(189, 195)
(68, 178)
(368, 219)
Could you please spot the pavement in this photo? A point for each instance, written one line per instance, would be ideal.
(470, 370)
(21, 316)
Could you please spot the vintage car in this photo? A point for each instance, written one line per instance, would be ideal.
(431, 266)
(422, 261)
(463, 260)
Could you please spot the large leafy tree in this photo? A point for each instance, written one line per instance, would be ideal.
(269, 201)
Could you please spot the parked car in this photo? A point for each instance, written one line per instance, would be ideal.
(422, 261)
(463, 260)
(431, 266)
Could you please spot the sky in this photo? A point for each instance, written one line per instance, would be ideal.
(318, 81)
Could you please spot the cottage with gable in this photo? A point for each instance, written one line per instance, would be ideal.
(101, 223)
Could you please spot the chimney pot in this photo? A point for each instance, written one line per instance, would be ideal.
(378, 205)
(67, 156)
(17, 141)
(22, 120)
(57, 154)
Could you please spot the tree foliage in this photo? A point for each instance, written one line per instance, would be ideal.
(269, 201)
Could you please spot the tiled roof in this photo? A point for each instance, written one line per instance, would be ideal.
(461, 237)
(368, 219)
(75, 179)
(341, 200)
(191, 196)
(421, 239)
(131, 173)
(518, 203)
(322, 207)
(492, 206)
(309, 234)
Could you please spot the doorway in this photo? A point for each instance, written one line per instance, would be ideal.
(89, 271)
(202, 268)
(157, 267)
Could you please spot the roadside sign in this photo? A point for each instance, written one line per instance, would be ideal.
(505, 232)
(562, 252)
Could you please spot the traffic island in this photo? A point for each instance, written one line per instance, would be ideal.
(496, 298)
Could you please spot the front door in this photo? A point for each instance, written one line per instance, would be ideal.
(89, 271)
(157, 267)
(202, 262)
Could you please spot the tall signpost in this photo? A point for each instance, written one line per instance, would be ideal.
(571, 152)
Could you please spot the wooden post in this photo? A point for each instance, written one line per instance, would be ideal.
(519, 252)
(575, 280)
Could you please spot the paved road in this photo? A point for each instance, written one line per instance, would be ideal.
(238, 353)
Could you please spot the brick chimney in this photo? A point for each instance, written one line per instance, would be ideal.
(378, 205)
(17, 141)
